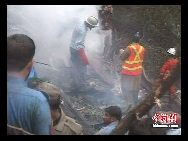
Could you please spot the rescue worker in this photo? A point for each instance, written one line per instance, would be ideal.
(167, 67)
(77, 51)
(165, 71)
(132, 58)
(62, 124)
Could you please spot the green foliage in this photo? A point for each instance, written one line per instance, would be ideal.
(159, 23)
(160, 28)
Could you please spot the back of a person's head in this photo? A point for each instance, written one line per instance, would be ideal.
(20, 51)
(114, 111)
(136, 38)
(52, 91)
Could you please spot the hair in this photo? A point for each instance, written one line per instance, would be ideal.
(20, 51)
(114, 111)
(136, 39)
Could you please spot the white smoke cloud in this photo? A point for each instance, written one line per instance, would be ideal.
(51, 26)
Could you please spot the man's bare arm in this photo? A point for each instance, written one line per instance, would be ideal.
(124, 54)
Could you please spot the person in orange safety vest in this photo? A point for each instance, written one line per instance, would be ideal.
(132, 58)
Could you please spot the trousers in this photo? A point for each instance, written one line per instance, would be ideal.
(130, 86)
(78, 70)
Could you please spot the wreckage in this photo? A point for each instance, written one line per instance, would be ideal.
(103, 73)
(106, 90)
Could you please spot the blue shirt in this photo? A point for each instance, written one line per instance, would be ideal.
(78, 36)
(27, 108)
(32, 73)
(108, 129)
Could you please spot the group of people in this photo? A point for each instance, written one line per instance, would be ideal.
(26, 108)
(34, 106)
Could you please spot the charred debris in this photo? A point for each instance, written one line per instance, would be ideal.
(160, 27)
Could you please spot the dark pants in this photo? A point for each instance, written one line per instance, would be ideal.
(78, 71)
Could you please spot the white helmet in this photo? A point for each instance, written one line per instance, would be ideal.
(93, 21)
(172, 51)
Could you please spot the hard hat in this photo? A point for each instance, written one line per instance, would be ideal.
(93, 21)
(172, 51)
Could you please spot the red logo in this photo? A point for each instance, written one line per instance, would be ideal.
(164, 118)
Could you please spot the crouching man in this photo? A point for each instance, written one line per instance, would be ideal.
(63, 125)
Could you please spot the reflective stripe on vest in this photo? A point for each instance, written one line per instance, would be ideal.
(134, 66)
(137, 57)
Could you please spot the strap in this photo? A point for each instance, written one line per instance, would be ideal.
(137, 58)
(45, 95)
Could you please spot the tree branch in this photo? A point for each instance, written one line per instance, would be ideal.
(145, 105)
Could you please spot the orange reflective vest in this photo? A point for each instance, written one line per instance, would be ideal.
(133, 65)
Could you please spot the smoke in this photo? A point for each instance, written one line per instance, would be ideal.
(51, 26)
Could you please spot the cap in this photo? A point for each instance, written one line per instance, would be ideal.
(53, 92)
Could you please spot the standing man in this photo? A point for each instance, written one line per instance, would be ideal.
(167, 68)
(77, 51)
(26, 108)
(132, 58)
(169, 97)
